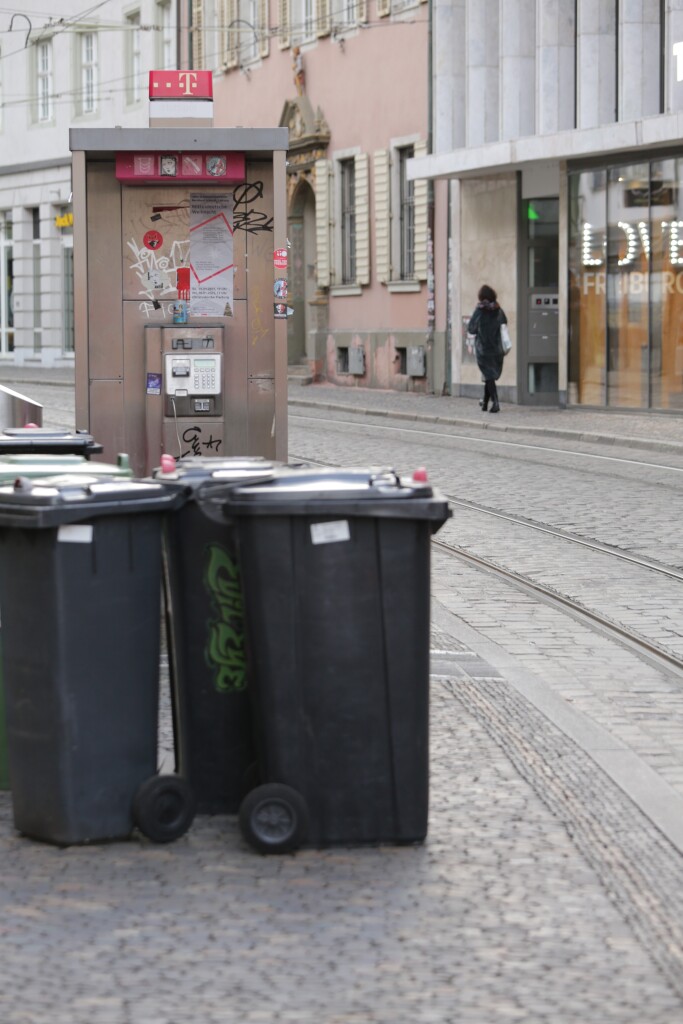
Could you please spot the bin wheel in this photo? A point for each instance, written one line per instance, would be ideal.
(164, 808)
(274, 818)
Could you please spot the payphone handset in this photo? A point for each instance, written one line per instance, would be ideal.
(188, 374)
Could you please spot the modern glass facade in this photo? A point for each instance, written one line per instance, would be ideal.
(626, 285)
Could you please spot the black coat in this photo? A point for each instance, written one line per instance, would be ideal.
(488, 348)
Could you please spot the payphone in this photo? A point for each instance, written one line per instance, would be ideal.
(184, 411)
(178, 346)
(190, 380)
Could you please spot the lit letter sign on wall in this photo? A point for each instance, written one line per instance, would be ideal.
(675, 242)
(631, 243)
(587, 247)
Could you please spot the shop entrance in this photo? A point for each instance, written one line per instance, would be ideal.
(537, 364)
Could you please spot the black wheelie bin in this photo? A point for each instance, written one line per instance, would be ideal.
(40, 465)
(205, 631)
(47, 441)
(335, 568)
(80, 593)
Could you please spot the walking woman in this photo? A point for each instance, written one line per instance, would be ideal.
(488, 347)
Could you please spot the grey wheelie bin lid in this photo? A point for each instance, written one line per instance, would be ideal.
(59, 500)
(351, 491)
(49, 464)
(44, 440)
(194, 472)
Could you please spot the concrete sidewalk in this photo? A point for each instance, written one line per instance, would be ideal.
(656, 431)
(644, 430)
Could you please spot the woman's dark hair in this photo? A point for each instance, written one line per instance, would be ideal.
(487, 294)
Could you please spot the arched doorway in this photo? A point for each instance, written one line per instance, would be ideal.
(302, 283)
(309, 137)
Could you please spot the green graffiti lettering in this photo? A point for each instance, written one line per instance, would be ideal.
(224, 651)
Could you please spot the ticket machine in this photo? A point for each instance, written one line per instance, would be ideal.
(181, 345)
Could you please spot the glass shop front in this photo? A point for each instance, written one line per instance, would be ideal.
(626, 285)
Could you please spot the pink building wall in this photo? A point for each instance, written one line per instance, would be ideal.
(371, 90)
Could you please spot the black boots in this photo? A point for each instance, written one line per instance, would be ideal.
(493, 391)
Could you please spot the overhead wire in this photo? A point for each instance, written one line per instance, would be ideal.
(73, 25)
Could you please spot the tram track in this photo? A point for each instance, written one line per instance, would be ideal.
(654, 654)
(657, 656)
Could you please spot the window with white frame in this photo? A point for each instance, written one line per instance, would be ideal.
(133, 57)
(1, 101)
(342, 222)
(166, 57)
(400, 217)
(303, 25)
(44, 87)
(246, 36)
(343, 13)
(347, 223)
(406, 217)
(89, 82)
(403, 5)
(198, 28)
(248, 11)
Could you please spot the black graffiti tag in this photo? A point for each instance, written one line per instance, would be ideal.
(245, 217)
(193, 437)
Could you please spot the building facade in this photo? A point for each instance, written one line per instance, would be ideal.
(56, 73)
(557, 170)
(350, 81)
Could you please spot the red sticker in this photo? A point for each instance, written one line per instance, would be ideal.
(153, 240)
(280, 258)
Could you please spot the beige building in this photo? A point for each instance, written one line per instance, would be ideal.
(558, 173)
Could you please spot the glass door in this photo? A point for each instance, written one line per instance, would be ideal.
(628, 286)
(538, 351)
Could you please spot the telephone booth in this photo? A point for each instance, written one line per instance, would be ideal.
(180, 295)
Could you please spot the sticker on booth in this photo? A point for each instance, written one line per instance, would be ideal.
(153, 384)
(280, 288)
(280, 259)
(152, 240)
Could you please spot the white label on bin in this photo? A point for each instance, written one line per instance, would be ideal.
(81, 534)
(330, 533)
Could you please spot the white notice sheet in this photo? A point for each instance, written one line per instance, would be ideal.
(211, 254)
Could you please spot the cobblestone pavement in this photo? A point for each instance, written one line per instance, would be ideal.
(541, 896)
(638, 429)
(543, 893)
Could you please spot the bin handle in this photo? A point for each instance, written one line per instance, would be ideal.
(388, 475)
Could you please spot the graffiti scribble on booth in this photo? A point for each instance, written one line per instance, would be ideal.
(224, 651)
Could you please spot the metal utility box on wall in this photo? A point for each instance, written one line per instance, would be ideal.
(356, 360)
(180, 338)
(416, 363)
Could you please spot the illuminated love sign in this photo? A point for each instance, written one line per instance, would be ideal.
(637, 236)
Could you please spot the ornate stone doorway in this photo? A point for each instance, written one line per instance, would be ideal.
(302, 283)
(309, 136)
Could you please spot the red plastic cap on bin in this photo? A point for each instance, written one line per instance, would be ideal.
(167, 464)
(420, 475)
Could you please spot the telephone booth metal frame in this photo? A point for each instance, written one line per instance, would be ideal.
(125, 321)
